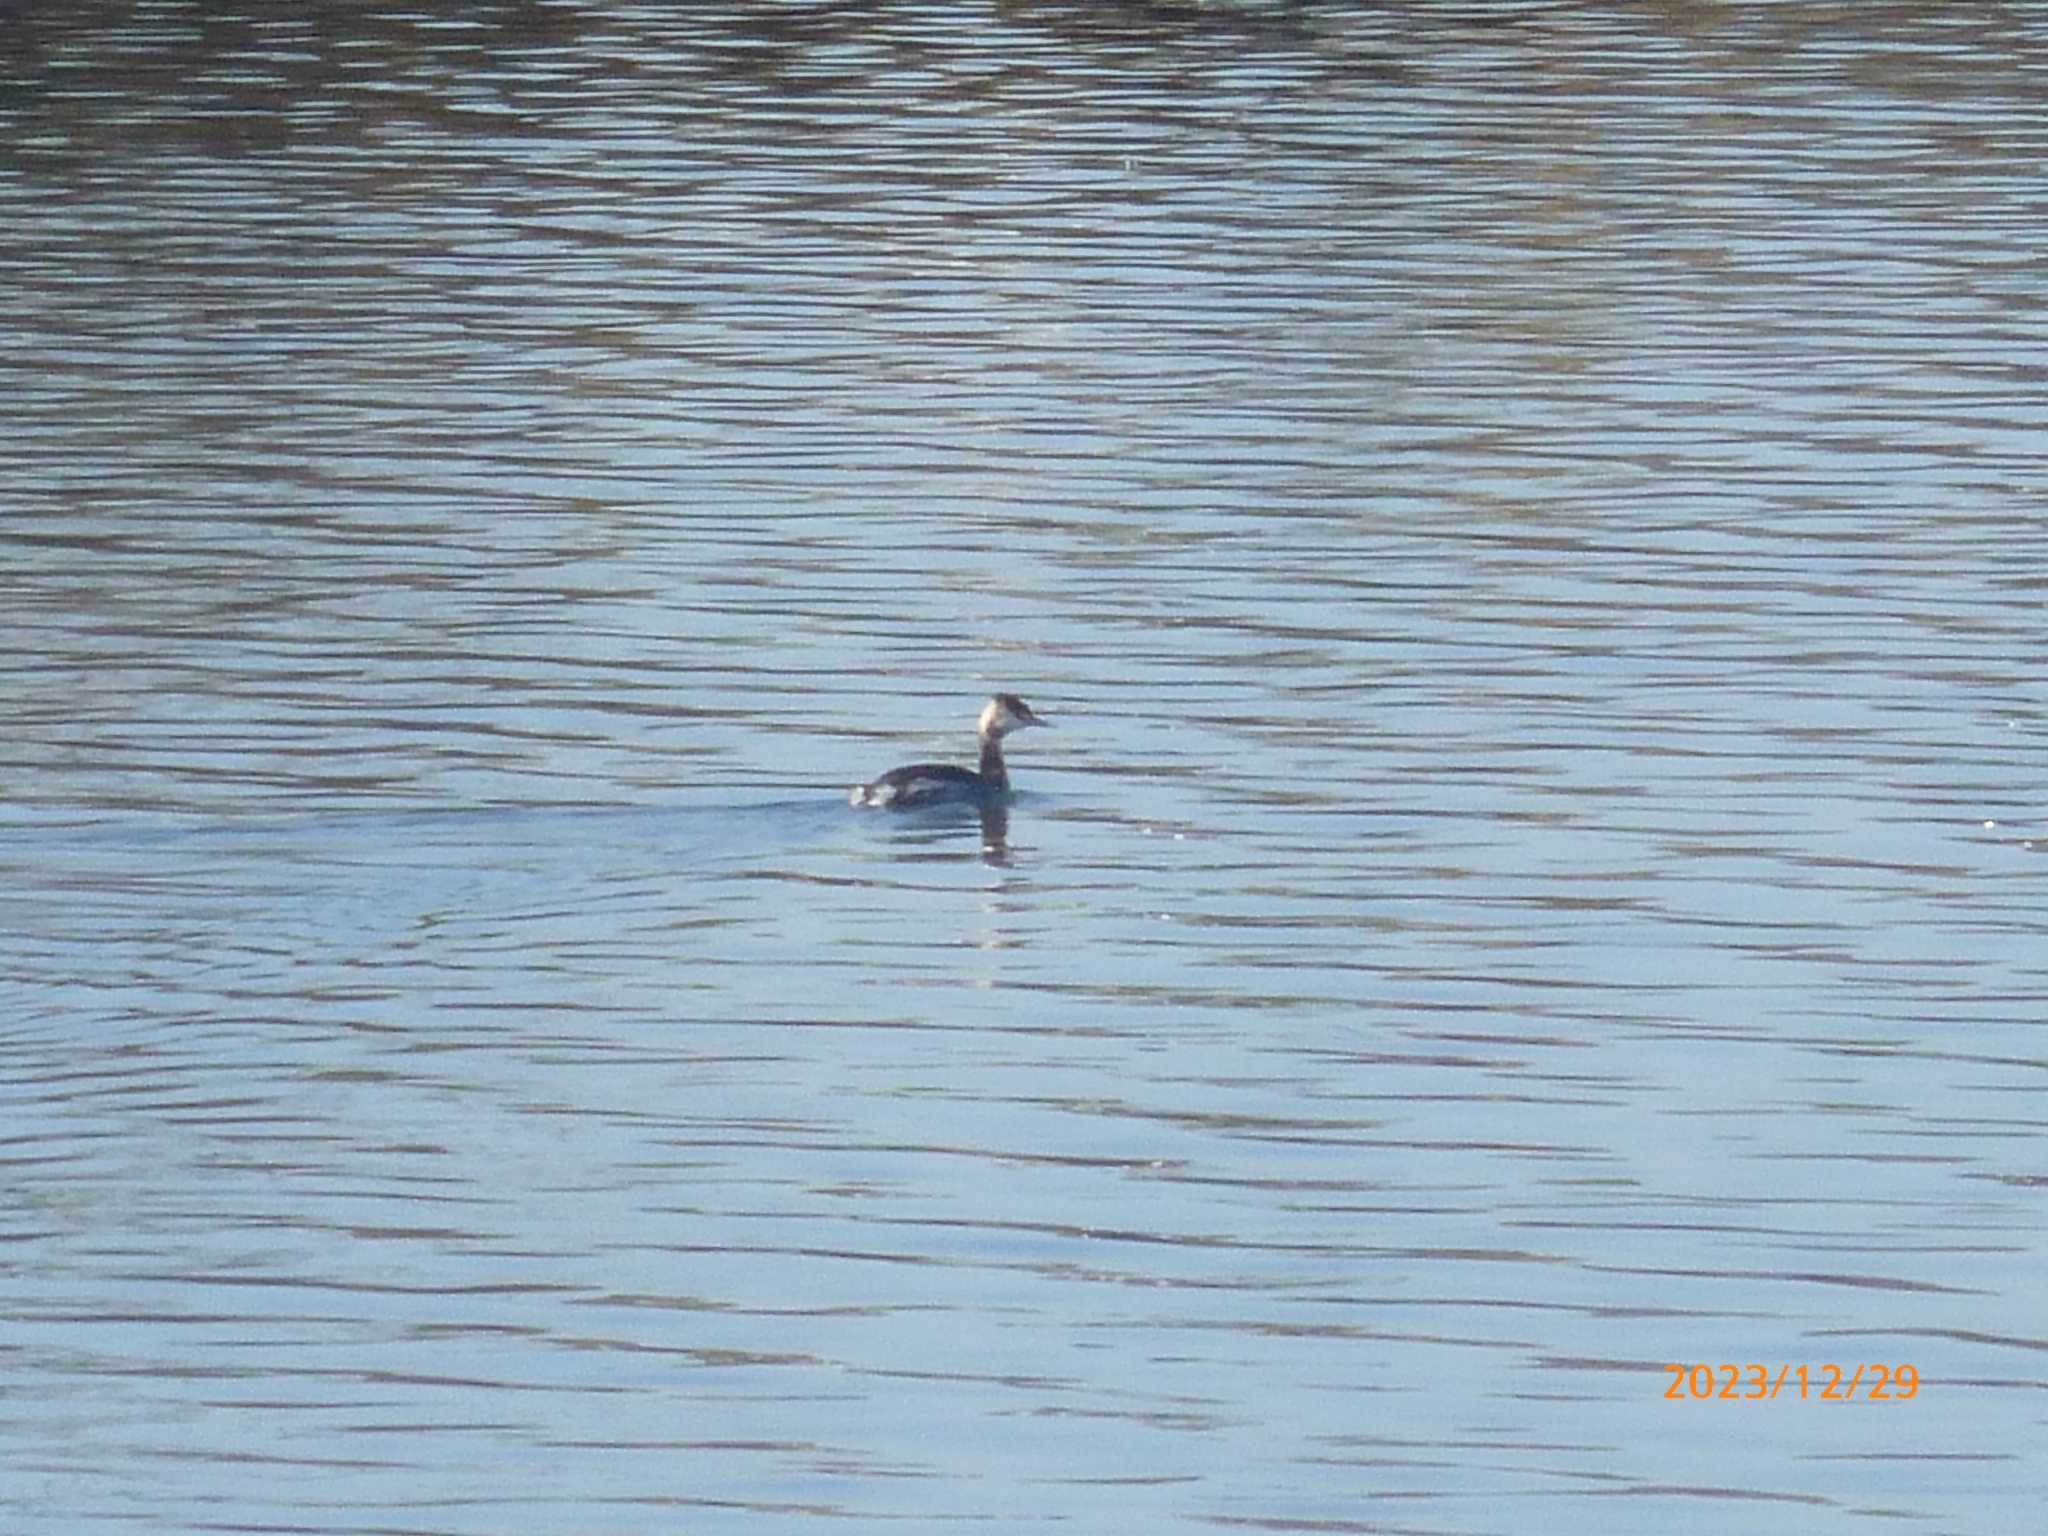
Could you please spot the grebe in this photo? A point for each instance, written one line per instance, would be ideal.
(922, 784)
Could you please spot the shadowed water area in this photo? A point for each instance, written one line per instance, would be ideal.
(1529, 523)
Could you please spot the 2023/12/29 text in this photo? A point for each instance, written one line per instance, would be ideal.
(1820, 1383)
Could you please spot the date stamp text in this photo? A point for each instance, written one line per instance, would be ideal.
(1807, 1383)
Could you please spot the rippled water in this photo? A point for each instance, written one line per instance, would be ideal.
(1529, 524)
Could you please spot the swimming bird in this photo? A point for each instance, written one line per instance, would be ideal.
(922, 784)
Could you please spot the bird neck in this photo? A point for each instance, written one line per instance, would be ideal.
(992, 770)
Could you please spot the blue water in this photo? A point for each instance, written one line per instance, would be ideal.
(1529, 528)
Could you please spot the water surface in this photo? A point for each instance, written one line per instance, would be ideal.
(1530, 530)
